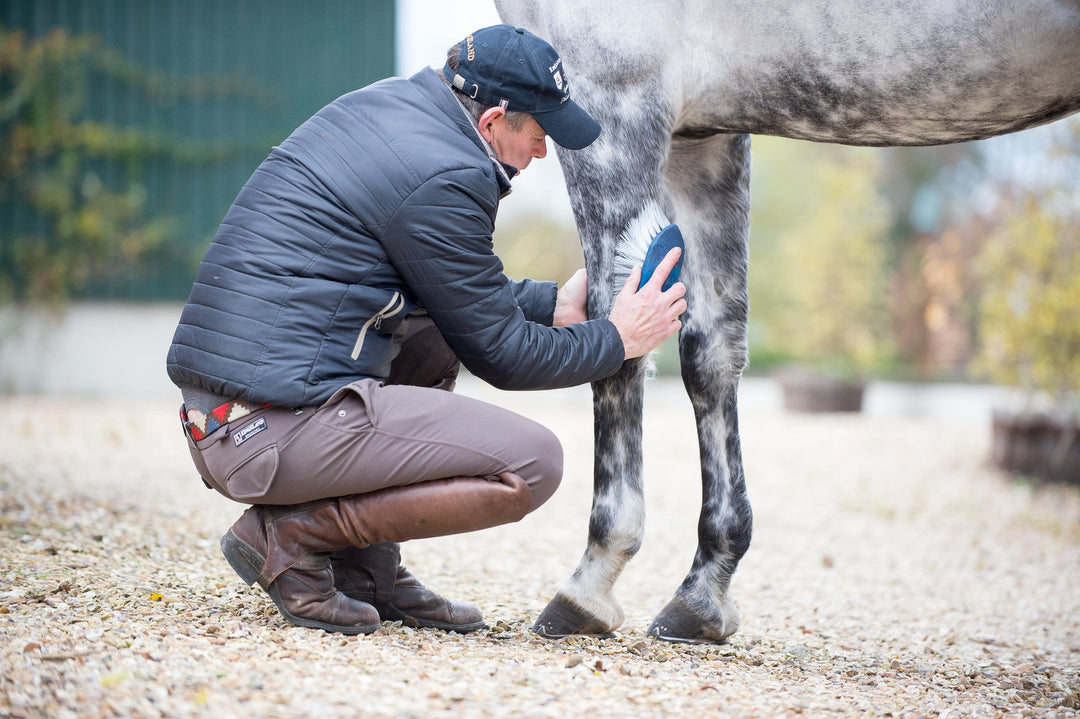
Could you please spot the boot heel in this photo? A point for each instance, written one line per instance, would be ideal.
(242, 557)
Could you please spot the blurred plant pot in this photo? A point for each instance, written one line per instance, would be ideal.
(1038, 444)
(809, 391)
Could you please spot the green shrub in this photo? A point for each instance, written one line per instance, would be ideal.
(831, 273)
(1030, 330)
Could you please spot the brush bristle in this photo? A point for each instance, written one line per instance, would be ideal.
(633, 243)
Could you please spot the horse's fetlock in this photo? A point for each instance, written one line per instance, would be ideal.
(738, 542)
(631, 548)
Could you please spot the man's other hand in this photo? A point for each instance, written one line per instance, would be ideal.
(570, 301)
(647, 317)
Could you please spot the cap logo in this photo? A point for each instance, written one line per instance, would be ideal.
(470, 49)
(560, 76)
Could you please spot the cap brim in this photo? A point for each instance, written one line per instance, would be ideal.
(569, 126)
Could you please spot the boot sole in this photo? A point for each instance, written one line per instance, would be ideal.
(387, 613)
(459, 628)
(313, 624)
(247, 562)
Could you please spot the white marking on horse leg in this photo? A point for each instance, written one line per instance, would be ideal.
(591, 586)
(616, 523)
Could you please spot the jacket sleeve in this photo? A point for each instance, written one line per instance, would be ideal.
(439, 241)
(536, 299)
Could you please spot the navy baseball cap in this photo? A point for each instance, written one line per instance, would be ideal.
(509, 67)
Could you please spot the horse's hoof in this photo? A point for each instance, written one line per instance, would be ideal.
(562, 618)
(678, 622)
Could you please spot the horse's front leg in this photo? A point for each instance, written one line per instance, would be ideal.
(609, 183)
(708, 179)
(586, 603)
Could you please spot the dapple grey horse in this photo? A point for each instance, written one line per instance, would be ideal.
(679, 86)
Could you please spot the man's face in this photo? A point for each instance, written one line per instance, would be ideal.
(515, 147)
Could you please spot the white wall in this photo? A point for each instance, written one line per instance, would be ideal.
(88, 349)
(118, 350)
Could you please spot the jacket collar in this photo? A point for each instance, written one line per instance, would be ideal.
(434, 88)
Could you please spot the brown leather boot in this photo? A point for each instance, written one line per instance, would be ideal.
(304, 593)
(375, 575)
(427, 509)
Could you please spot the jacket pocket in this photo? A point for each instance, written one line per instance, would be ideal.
(252, 479)
(392, 308)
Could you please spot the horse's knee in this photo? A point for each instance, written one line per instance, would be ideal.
(710, 362)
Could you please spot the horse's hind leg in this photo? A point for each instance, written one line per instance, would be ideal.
(608, 184)
(708, 182)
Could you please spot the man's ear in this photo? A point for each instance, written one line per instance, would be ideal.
(484, 123)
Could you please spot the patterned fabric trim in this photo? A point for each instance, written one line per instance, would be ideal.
(200, 425)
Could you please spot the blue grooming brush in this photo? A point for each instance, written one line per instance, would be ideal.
(665, 241)
(646, 241)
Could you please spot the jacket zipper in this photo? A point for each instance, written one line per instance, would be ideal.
(395, 305)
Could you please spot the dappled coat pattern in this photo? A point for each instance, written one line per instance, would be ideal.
(678, 88)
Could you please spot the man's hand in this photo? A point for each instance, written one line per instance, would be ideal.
(647, 317)
(570, 301)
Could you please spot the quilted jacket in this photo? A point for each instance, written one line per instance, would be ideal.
(380, 206)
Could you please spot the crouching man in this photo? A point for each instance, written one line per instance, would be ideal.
(323, 334)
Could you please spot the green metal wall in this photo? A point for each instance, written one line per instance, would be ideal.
(240, 75)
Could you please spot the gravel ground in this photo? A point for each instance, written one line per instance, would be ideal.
(893, 573)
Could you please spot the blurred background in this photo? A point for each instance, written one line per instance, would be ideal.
(127, 127)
